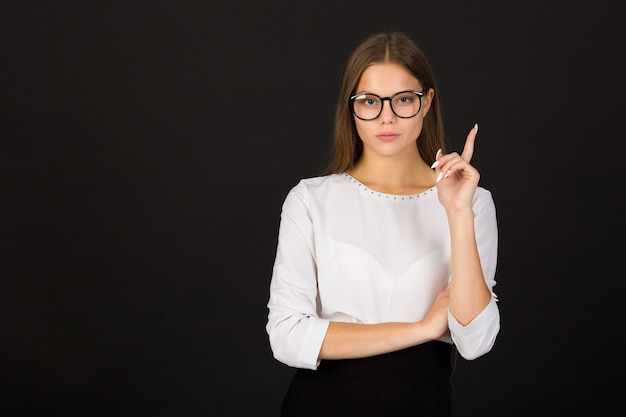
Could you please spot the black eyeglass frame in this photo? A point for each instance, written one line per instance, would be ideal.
(419, 94)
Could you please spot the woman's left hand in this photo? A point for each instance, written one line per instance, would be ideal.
(457, 179)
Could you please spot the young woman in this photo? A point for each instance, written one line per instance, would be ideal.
(385, 263)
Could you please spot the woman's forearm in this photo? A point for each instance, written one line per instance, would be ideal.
(355, 340)
(469, 293)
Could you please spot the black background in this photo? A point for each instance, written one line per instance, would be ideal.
(147, 148)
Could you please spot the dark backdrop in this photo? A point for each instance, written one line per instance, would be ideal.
(147, 148)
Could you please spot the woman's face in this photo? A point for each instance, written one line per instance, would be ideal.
(390, 135)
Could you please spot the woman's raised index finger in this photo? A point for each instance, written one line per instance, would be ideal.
(468, 149)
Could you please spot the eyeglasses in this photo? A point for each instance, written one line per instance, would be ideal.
(405, 104)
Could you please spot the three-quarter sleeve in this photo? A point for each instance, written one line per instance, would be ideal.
(295, 331)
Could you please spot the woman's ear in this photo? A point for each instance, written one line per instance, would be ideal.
(427, 100)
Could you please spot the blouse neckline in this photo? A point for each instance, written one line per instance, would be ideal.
(387, 196)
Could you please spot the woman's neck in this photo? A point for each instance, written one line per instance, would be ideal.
(394, 176)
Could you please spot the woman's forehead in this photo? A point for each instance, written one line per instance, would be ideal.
(387, 78)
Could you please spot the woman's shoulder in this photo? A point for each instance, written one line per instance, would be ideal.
(482, 192)
(483, 199)
(312, 188)
(318, 182)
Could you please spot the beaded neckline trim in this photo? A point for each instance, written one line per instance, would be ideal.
(388, 196)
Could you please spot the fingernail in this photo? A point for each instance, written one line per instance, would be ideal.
(447, 173)
(476, 127)
(437, 154)
(434, 164)
(439, 177)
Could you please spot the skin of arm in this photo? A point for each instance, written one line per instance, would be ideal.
(469, 293)
(355, 340)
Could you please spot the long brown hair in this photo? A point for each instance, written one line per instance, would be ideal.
(385, 47)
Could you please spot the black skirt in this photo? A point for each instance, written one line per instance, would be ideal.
(412, 382)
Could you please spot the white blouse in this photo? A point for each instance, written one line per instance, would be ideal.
(348, 253)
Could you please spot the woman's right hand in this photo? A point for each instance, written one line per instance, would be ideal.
(436, 319)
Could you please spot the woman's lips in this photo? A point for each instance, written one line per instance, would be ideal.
(387, 137)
